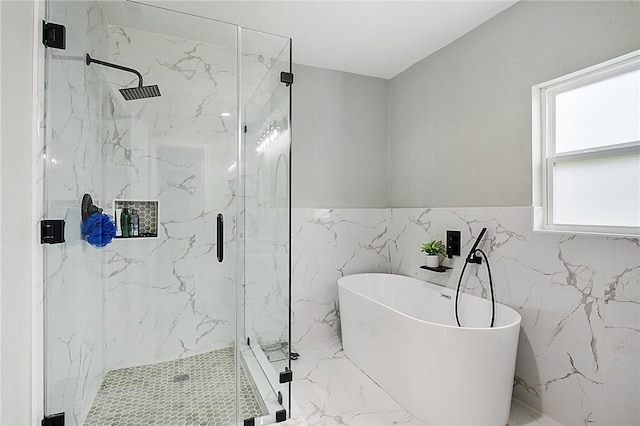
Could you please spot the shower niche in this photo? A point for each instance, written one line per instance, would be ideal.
(136, 330)
(147, 211)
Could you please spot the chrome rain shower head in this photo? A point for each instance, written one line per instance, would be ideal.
(130, 93)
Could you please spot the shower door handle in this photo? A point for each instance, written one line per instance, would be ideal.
(220, 237)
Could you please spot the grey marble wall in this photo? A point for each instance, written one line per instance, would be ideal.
(578, 295)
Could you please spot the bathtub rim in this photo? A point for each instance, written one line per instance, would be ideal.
(515, 323)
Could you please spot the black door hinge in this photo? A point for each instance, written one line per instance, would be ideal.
(281, 416)
(53, 420)
(52, 231)
(286, 376)
(249, 422)
(245, 129)
(54, 35)
(286, 78)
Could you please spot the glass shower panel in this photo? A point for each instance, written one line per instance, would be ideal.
(74, 273)
(267, 205)
(145, 326)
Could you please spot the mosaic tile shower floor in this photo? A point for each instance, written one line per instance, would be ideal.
(198, 390)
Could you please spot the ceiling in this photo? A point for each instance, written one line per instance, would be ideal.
(374, 38)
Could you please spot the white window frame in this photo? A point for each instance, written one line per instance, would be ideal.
(544, 152)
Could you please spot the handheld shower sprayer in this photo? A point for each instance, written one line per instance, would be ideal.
(472, 257)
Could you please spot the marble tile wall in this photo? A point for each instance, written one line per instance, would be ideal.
(69, 166)
(170, 297)
(326, 245)
(578, 296)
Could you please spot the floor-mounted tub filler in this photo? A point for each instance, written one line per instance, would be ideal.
(402, 332)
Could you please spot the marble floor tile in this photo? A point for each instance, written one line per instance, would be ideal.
(328, 389)
(523, 415)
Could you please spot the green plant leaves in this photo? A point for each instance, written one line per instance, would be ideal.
(435, 247)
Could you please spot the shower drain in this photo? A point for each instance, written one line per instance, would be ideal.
(181, 377)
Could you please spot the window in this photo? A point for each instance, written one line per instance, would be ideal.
(586, 150)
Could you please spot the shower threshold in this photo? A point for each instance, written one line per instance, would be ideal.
(197, 390)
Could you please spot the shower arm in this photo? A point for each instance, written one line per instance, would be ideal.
(89, 60)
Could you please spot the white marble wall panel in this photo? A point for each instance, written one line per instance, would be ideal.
(169, 297)
(578, 295)
(621, 313)
(73, 277)
(326, 245)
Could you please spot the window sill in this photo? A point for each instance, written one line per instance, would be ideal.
(539, 226)
(589, 233)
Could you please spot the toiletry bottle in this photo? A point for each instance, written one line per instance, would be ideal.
(135, 222)
(118, 224)
(124, 222)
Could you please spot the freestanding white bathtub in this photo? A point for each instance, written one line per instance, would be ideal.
(402, 332)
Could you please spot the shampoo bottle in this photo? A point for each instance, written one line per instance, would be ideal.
(124, 222)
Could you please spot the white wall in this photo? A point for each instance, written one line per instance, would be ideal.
(340, 138)
(15, 215)
(460, 132)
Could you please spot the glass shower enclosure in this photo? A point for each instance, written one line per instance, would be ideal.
(183, 319)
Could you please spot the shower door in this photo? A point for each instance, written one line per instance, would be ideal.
(144, 329)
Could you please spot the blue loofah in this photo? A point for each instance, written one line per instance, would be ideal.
(99, 229)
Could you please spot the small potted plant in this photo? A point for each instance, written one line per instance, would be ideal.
(434, 249)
